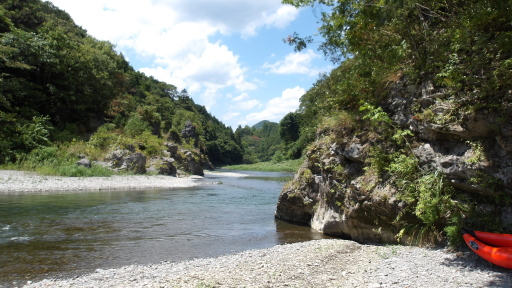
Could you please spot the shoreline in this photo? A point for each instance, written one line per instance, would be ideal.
(21, 182)
(317, 263)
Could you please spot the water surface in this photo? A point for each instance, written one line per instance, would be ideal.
(72, 233)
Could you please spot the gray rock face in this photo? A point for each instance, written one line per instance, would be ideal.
(333, 193)
(189, 134)
(193, 164)
(84, 162)
(123, 160)
(171, 148)
(162, 166)
(339, 208)
(135, 162)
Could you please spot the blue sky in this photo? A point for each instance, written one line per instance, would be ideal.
(228, 54)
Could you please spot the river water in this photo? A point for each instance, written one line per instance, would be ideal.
(72, 233)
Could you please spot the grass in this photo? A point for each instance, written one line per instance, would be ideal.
(54, 161)
(62, 169)
(284, 166)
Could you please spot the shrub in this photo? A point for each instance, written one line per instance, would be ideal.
(430, 199)
(153, 145)
(278, 157)
(135, 126)
(104, 136)
(36, 134)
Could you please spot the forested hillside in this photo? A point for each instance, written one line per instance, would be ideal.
(58, 85)
(266, 141)
(260, 141)
(413, 129)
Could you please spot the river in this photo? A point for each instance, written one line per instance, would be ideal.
(72, 233)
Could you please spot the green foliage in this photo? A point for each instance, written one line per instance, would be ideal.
(51, 69)
(104, 137)
(36, 133)
(278, 157)
(378, 160)
(174, 136)
(338, 125)
(464, 44)
(478, 153)
(58, 161)
(284, 166)
(376, 115)
(260, 144)
(43, 156)
(146, 143)
(430, 199)
(135, 126)
(289, 128)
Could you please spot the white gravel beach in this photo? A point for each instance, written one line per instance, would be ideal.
(320, 263)
(25, 182)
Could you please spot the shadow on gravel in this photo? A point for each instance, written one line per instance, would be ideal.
(470, 262)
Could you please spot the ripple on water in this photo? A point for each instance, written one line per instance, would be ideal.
(75, 233)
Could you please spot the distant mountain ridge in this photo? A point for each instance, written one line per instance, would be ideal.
(260, 124)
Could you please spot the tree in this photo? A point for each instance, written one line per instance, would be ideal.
(289, 128)
(54, 75)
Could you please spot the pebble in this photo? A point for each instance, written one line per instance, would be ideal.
(15, 182)
(319, 263)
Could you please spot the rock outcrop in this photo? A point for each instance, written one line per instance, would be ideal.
(162, 166)
(335, 193)
(172, 162)
(189, 134)
(124, 160)
(84, 162)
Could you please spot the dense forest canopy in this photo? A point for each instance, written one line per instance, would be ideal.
(57, 83)
(464, 47)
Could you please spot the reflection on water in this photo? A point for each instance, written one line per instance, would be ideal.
(74, 233)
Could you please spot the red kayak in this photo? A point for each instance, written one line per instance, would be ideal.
(493, 247)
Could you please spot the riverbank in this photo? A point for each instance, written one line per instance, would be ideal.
(320, 263)
(15, 182)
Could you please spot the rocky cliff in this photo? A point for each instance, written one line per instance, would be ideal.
(351, 184)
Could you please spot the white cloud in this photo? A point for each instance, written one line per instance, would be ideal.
(229, 116)
(248, 105)
(241, 97)
(236, 16)
(280, 18)
(175, 34)
(298, 62)
(216, 67)
(277, 108)
(205, 73)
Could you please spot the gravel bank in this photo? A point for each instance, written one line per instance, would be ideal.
(23, 182)
(320, 263)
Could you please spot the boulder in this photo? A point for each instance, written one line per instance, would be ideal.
(192, 164)
(171, 148)
(135, 163)
(353, 152)
(84, 162)
(123, 160)
(116, 158)
(162, 166)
